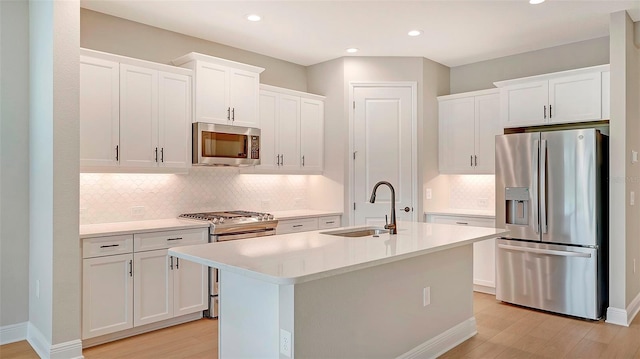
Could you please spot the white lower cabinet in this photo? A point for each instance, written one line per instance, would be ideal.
(484, 256)
(127, 290)
(308, 224)
(107, 295)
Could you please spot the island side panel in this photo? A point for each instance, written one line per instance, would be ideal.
(378, 312)
(249, 317)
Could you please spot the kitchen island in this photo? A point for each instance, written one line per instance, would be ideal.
(323, 295)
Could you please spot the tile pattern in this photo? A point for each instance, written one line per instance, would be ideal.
(116, 197)
(475, 192)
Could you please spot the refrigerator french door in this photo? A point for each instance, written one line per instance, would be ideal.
(551, 195)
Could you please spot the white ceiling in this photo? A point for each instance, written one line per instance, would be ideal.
(309, 32)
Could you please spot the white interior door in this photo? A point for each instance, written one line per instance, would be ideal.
(383, 135)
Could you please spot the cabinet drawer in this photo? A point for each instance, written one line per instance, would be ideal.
(329, 222)
(168, 239)
(461, 220)
(297, 225)
(107, 246)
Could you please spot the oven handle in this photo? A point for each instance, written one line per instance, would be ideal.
(230, 237)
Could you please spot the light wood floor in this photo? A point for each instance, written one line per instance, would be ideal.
(504, 331)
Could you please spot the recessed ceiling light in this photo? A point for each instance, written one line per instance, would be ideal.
(253, 17)
(352, 50)
(414, 33)
(535, 2)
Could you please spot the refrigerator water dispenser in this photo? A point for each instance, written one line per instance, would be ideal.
(517, 205)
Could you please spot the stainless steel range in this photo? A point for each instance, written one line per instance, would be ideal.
(227, 226)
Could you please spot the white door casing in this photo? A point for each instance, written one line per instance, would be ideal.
(384, 146)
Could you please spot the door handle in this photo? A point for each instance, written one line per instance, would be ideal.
(406, 209)
(543, 185)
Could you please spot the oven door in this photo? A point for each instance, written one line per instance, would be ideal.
(212, 312)
(222, 145)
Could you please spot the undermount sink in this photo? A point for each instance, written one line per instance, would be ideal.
(358, 232)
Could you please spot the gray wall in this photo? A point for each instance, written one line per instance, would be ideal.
(481, 75)
(107, 33)
(14, 163)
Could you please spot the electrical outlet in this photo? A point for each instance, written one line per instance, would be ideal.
(483, 202)
(427, 193)
(426, 296)
(632, 198)
(634, 156)
(285, 343)
(137, 211)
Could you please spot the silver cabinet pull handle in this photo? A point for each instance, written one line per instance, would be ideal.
(162, 155)
(177, 263)
(233, 114)
(550, 112)
(330, 222)
(282, 159)
(228, 113)
(156, 154)
(117, 153)
(545, 112)
(278, 160)
(297, 225)
(110, 245)
(174, 239)
(475, 160)
(471, 160)
(302, 161)
(171, 262)
(130, 268)
(464, 223)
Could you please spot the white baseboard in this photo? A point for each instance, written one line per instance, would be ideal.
(444, 342)
(617, 316)
(13, 333)
(90, 342)
(633, 309)
(42, 346)
(484, 289)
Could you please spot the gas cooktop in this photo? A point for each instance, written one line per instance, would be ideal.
(234, 221)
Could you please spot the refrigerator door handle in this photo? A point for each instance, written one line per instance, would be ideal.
(545, 251)
(543, 185)
(536, 165)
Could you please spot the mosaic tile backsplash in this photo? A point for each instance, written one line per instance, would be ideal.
(119, 197)
(477, 192)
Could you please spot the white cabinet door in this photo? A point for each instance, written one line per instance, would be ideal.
(153, 287)
(174, 120)
(107, 295)
(525, 104)
(212, 93)
(99, 112)
(243, 93)
(189, 287)
(487, 126)
(268, 128)
(575, 98)
(289, 131)
(606, 95)
(138, 116)
(456, 137)
(312, 134)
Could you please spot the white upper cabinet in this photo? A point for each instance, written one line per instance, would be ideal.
(138, 120)
(562, 97)
(468, 124)
(292, 131)
(138, 116)
(226, 92)
(99, 112)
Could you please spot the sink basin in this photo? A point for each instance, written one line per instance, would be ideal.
(358, 232)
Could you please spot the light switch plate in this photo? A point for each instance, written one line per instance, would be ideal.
(632, 198)
(427, 193)
(634, 156)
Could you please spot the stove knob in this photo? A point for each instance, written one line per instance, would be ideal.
(221, 220)
(270, 216)
(214, 221)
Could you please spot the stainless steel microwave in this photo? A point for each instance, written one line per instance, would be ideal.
(223, 145)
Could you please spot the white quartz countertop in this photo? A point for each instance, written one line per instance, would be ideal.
(303, 213)
(116, 228)
(463, 212)
(300, 257)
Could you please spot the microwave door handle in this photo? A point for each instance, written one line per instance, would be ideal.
(543, 185)
(536, 164)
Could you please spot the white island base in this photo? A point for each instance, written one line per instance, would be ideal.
(342, 297)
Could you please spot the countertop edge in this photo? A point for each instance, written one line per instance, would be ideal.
(120, 228)
(331, 272)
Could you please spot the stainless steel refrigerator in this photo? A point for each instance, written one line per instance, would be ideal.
(552, 194)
